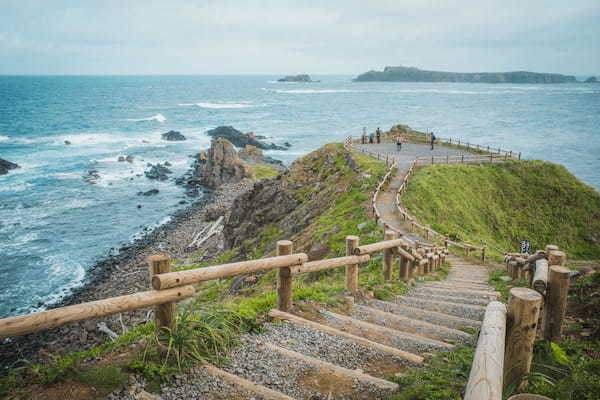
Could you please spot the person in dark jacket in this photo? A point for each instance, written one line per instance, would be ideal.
(378, 133)
(432, 140)
(398, 143)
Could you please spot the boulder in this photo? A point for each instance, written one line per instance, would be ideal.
(221, 165)
(240, 139)
(6, 166)
(173, 136)
(151, 192)
(158, 172)
(67, 142)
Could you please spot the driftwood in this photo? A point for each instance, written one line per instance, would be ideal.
(208, 231)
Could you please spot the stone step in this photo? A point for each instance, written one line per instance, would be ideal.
(467, 281)
(476, 294)
(446, 307)
(409, 325)
(449, 321)
(451, 285)
(454, 299)
(413, 343)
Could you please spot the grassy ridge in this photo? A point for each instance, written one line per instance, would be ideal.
(501, 204)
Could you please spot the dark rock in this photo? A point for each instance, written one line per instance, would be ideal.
(158, 172)
(167, 164)
(121, 159)
(254, 155)
(287, 144)
(173, 136)
(296, 78)
(139, 206)
(129, 159)
(92, 176)
(591, 79)
(151, 192)
(240, 139)
(67, 142)
(6, 166)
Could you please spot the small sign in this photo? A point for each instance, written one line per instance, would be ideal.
(525, 246)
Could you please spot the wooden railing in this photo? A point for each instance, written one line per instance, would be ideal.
(505, 347)
(463, 159)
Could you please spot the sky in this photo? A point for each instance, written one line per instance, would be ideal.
(286, 37)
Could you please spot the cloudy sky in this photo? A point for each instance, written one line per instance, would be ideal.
(275, 37)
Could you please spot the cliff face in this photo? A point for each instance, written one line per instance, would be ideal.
(285, 206)
(411, 74)
(221, 165)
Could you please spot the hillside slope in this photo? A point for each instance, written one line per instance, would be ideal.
(502, 204)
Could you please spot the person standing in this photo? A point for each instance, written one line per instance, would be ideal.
(371, 138)
(398, 143)
(432, 140)
(378, 133)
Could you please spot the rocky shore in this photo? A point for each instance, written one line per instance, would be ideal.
(126, 272)
(6, 166)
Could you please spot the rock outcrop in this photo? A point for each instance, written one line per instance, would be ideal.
(254, 155)
(591, 79)
(296, 78)
(412, 74)
(6, 166)
(173, 136)
(240, 139)
(159, 171)
(221, 165)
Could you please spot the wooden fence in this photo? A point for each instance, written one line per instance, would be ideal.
(505, 347)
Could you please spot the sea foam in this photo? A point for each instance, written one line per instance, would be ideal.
(223, 105)
(158, 117)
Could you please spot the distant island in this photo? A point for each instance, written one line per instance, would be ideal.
(296, 78)
(412, 74)
(591, 79)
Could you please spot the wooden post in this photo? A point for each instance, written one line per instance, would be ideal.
(556, 257)
(405, 264)
(284, 278)
(483, 254)
(351, 270)
(523, 313)
(556, 302)
(519, 155)
(485, 379)
(462, 158)
(540, 276)
(388, 257)
(163, 313)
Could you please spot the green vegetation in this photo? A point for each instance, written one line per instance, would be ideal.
(443, 378)
(498, 205)
(264, 171)
(502, 286)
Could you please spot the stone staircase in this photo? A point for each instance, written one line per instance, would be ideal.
(350, 354)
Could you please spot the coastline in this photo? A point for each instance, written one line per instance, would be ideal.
(125, 273)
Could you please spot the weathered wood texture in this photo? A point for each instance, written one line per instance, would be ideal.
(174, 279)
(486, 377)
(540, 276)
(319, 265)
(370, 248)
(351, 269)
(163, 313)
(284, 277)
(388, 257)
(523, 314)
(24, 324)
(556, 302)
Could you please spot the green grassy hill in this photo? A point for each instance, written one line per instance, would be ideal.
(501, 204)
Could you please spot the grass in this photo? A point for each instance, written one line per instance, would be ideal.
(263, 171)
(498, 205)
(443, 378)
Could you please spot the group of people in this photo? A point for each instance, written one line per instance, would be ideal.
(377, 136)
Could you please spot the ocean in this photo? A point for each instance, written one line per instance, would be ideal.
(54, 225)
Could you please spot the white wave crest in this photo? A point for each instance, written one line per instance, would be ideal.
(4, 138)
(223, 105)
(158, 117)
(315, 91)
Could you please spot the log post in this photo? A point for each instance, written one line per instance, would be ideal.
(556, 257)
(351, 270)
(388, 257)
(540, 276)
(523, 313)
(163, 313)
(485, 379)
(405, 265)
(284, 278)
(483, 254)
(556, 302)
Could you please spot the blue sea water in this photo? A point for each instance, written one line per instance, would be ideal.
(54, 225)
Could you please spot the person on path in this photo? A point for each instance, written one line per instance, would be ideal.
(378, 133)
(398, 143)
(432, 140)
(364, 135)
(371, 137)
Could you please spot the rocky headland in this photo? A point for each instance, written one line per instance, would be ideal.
(6, 166)
(591, 79)
(412, 74)
(296, 78)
